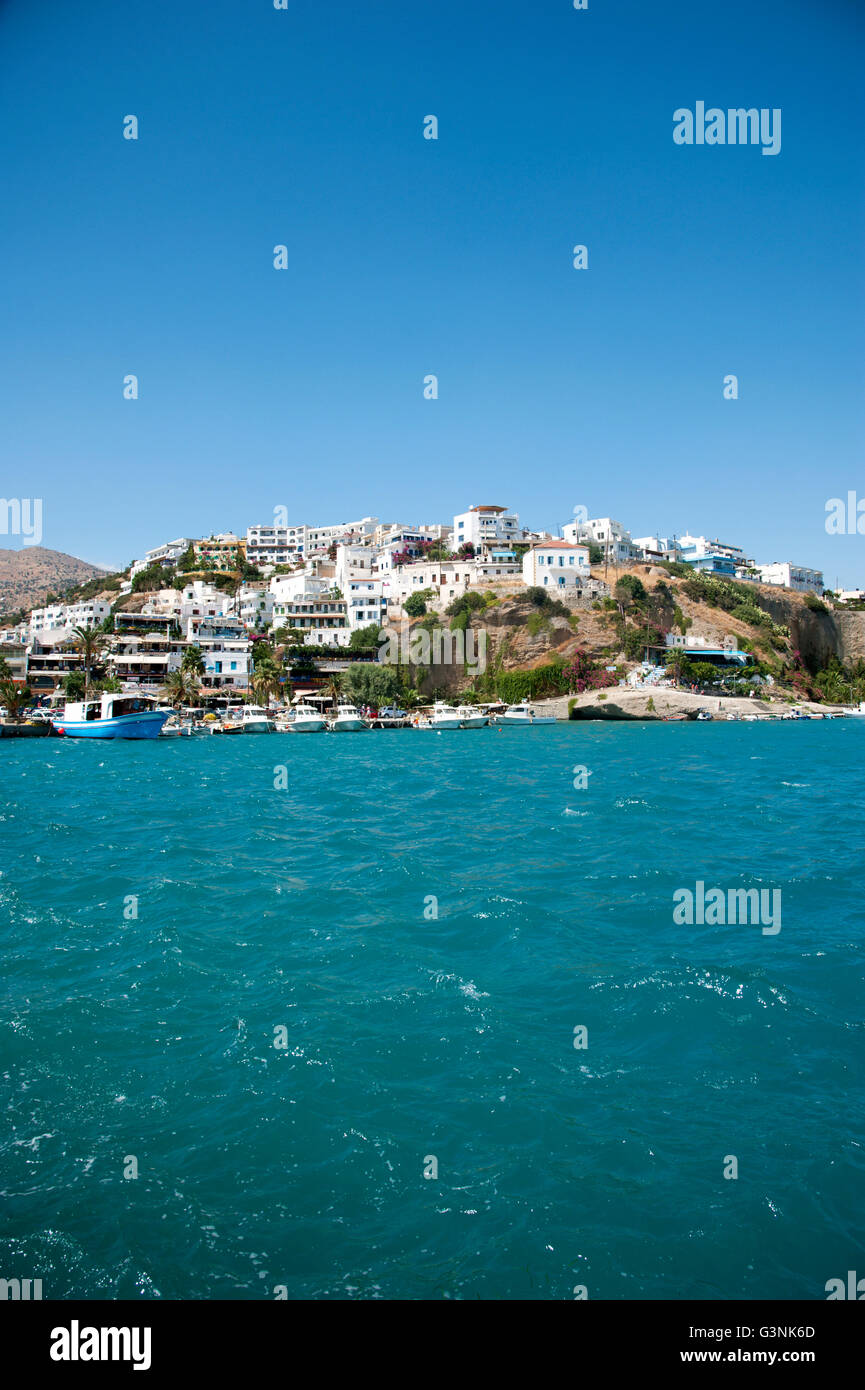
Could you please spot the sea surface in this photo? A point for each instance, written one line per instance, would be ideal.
(423, 920)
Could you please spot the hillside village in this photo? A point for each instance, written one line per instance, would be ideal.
(286, 610)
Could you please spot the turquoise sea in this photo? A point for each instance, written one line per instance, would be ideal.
(148, 1041)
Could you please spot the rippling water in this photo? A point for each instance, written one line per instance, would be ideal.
(411, 1036)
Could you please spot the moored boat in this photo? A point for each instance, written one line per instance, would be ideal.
(303, 719)
(112, 716)
(347, 719)
(518, 716)
(471, 717)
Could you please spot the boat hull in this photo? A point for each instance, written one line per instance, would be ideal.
(347, 726)
(312, 726)
(515, 723)
(147, 724)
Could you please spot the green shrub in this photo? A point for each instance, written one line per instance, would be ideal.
(414, 606)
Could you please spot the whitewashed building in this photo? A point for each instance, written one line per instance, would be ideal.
(610, 535)
(557, 565)
(170, 553)
(486, 526)
(789, 576)
(365, 603)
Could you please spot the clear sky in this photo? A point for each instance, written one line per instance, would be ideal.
(558, 387)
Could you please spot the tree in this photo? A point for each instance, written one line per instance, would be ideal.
(596, 553)
(109, 686)
(74, 686)
(90, 641)
(333, 688)
(536, 595)
(414, 606)
(180, 688)
(677, 663)
(370, 684)
(15, 697)
(193, 661)
(364, 637)
(628, 592)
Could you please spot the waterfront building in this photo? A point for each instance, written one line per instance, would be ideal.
(556, 565)
(50, 658)
(226, 663)
(145, 660)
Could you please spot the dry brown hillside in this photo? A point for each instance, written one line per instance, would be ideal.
(29, 574)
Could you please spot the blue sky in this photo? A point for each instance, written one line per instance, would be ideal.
(304, 388)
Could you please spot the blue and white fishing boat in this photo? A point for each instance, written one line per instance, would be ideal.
(112, 716)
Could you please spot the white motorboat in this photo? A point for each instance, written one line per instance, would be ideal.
(471, 717)
(444, 717)
(251, 719)
(347, 719)
(303, 719)
(704, 714)
(522, 716)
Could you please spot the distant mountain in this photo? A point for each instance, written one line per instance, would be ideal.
(29, 574)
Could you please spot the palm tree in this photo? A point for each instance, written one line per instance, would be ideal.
(193, 662)
(14, 697)
(179, 688)
(266, 677)
(332, 688)
(90, 641)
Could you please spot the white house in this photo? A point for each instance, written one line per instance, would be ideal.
(274, 545)
(365, 603)
(169, 553)
(322, 618)
(790, 576)
(226, 663)
(610, 535)
(88, 613)
(658, 547)
(556, 565)
(485, 526)
(253, 604)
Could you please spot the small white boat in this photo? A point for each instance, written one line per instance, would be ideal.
(249, 719)
(347, 720)
(471, 717)
(303, 719)
(704, 714)
(858, 711)
(444, 717)
(176, 728)
(522, 716)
